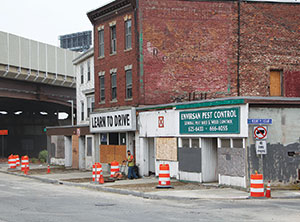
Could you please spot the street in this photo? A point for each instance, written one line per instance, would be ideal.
(24, 199)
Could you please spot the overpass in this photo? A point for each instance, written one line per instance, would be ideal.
(37, 82)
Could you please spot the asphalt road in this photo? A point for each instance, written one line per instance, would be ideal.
(23, 199)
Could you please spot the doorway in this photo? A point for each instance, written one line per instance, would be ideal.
(209, 160)
(151, 155)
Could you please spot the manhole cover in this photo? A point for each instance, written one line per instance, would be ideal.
(104, 205)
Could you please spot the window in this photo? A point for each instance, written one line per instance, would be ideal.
(276, 83)
(101, 42)
(82, 111)
(128, 34)
(113, 86)
(88, 71)
(90, 105)
(128, 84)
(113, 35)
(103, 138)
(89, 146)
(81, 74)
(102, 88)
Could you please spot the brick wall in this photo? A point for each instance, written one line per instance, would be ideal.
(117, 61)
(270, 36)
(188, 46)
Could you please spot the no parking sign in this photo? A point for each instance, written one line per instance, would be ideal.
(260, 132)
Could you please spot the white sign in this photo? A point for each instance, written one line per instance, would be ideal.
(261, 147)
(118, 121)
(260, 132)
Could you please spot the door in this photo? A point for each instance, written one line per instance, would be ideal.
(275, 83)
(151, 156)
(209, 160)
(75, 152)
(81, 144)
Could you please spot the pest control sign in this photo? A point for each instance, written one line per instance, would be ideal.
(260, 132)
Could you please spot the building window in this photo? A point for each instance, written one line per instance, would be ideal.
(89, 146)
(113, 86)
(89, 71)
(128, 34)
(101, 42)
(81, 74)
(276, 83)
(102, 88)
(128, 84)
(113, 35)
(90, 105)
(82, 111)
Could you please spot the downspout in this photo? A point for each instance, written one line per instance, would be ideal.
(238, 47)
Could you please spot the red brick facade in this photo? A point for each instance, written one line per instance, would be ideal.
(185, 50)
(270, 34)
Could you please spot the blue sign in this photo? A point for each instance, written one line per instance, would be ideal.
(259, 121)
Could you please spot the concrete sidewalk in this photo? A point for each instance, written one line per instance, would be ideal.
(133, 187)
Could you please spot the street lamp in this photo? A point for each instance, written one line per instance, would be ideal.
(72, 105)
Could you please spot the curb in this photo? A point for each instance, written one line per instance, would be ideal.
(134, 193)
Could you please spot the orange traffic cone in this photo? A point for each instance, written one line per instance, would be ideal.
(48, 170)
(101, 180)
(268, 191)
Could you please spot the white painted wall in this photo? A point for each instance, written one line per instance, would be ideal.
(82, 153)
(89, 159)
(68, 151)
(232, 181)
(87, 88)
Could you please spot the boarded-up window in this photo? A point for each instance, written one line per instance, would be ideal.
(109, 153)
(275, 83)
(166, 149)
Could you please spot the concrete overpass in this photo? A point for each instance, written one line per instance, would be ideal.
(37, 82)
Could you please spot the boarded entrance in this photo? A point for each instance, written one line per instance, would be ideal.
(109, 153)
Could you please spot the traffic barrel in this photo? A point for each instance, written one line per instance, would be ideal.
(98, 172)
(114, 167)
(268, 191)
(11, 162)
(94, 172)
(17, 160)
(257, 185)
(24, 163)
(48, 169)
(164, 176)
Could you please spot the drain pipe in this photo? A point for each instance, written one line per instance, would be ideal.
(238, 47)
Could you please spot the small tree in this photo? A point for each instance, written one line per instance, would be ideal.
(43, 156)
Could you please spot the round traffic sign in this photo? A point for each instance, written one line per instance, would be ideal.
(260, 132)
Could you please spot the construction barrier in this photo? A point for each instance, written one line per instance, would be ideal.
(17, 160)
(164, 176)
(24, 163)
(257, 185)
(11, 162)
(268, 191)
(98, 172)
(94, 172)
(114, 167)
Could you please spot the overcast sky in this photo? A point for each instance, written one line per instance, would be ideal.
(45, 20)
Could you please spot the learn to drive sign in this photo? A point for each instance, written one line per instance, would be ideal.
(123, 120)
(214, 121)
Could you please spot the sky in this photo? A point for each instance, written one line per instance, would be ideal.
(46, 20)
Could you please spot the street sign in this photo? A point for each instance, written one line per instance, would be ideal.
(259, 121)
(261, 147)
(3, 132)
(260, 132)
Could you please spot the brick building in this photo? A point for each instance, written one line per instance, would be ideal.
(151, 52)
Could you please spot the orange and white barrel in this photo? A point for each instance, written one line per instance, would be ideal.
(257, 185)
(24, 163)
(94, 172)
(11, 162)
(17, 160)
(164, 175)
(98, 172)
(114, 167)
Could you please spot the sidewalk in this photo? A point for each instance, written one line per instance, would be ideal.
(143, 187)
